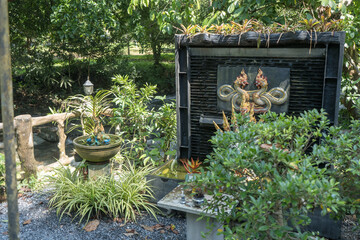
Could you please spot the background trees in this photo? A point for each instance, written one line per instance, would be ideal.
(53, 42)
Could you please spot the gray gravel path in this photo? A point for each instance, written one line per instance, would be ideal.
(45, 225)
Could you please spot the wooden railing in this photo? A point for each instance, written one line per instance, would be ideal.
(24, 135)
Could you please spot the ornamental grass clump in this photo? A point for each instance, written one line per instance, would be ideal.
(117, 198)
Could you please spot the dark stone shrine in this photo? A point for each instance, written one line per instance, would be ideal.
(311, 78)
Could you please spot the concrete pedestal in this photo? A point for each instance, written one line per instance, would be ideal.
(195, 228)
(208, 225)
(97, 170)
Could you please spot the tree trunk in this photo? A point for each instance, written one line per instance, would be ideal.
(156, 49)
(25, 145)
(128, 47)
(279, 214)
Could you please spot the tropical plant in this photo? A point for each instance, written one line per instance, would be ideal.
(276, 181)
(164, 120)
(191, 167)
(123, 196)
(132, 118)
(92, 111)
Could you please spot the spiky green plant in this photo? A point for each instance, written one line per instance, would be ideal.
(123, 197)
(91, 109)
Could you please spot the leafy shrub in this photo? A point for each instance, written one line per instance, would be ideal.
(165, 124)
(161, 75)
(124, 197)
(138, 123)
(340, 153)
(270, 167)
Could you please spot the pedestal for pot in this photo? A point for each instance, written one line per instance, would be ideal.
(97, 154)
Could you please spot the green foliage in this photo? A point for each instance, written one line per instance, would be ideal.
(84, 27)
(271, 169)
(165, 125)
(125, 195)
(340, 152)
(137, 123)
(32, 183)
(91, 109)
(162, 75)
(132, 116)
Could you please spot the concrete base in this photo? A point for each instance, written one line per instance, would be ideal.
(209, 226)
(97, 170)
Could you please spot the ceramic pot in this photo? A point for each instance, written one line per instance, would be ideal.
(97, 154)
(198, 201)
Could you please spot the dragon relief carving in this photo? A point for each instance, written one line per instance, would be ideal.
(259, 100)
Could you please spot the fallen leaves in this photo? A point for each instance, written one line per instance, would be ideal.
(161, 228)
(27, 222)
(92, 225)
(130, 232)
(147, 228)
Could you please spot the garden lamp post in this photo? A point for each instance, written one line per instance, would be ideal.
(88, 87)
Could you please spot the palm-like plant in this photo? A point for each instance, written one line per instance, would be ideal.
(92, 111)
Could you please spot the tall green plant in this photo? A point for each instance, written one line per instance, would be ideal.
(263, 178)
(137, 122)
(165, 124)
(132, 117)
(92, 110)
(125, 197)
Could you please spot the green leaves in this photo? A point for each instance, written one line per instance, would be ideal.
(91, 109)
(270, 167)
(125, 198)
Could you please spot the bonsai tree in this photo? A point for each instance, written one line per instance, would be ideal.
(263, 177)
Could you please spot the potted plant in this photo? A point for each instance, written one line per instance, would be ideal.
(198, 197)
(95, 145)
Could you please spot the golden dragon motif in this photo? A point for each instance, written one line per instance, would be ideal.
(261, 98)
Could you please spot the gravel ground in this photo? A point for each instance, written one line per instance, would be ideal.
(38, 222)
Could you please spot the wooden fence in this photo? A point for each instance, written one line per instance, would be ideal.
(24, 135)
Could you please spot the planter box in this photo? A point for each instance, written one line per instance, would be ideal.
(205, 61)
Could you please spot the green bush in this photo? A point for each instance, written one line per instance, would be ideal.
(340, 152)
(163, 76)
(137, 123)
(265, 174)
(124, 197)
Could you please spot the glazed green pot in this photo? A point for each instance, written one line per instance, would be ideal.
(97, 154)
